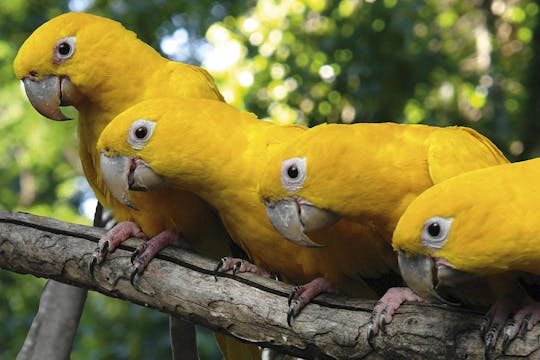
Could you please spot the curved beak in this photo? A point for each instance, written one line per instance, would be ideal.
(293, 218)
(49, 93)
(430, 278)
(122, 174)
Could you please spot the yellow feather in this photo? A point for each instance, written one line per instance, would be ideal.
(219, 152)
(369, 173)
(113, 70)
(495, 227)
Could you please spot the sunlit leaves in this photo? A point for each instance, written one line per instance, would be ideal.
(384, 59)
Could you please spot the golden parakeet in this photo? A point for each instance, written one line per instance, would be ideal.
(368, 174)
(101, 68)
(478, 224)
(219, 153)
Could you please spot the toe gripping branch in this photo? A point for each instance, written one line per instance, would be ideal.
(114, 237)
(386, 307)
(302, 295)
(237, 266)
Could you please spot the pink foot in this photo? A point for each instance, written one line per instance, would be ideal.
(302, 295)
(494, 320)
(239, 266)
(386, 307)
(114, 237)
(145, 252)
(523, 321)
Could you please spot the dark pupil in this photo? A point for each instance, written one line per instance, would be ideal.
(141, 132)
(64, 49)
(434, 229)
(292, 171)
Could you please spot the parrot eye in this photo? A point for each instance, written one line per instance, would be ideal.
(140, 132)
(293, 173)
(64, 49)
(434, 229)
(435, 232)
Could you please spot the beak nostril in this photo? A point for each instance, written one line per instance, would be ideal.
(107, 149)
(33, 75)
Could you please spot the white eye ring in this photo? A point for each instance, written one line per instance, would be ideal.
(435, 232)
(293, 173)
(64, 49)
(140, 132)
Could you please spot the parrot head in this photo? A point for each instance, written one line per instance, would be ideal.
(57, 62)
(450, 235)
(127, 150)
(286, 189)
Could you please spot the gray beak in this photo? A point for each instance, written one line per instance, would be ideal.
(48, 94)
(116, 173)
(293, 220)
(122, 174)
(428, 280)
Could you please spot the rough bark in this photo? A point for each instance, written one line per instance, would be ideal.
(55, 325)
(249, 307)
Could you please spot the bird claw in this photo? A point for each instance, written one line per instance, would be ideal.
(138, 253)
(293, 311)
(522, 321)
(371, 337)
(373, 330)
(506, 342)
(93, 265)
(524, 325)
(119, 233)
(133, 274)
(293, 293)
(137, 262)
(382, 321)
(294, 304)
(219, 266)
(301, 295)
(134, 255)
(490, 340)
(492, 326)
(385, 308)
(509, 334)
(237, 266)
(100, 253)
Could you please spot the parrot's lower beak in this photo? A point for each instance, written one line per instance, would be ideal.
(49, 93)
(122, 174)
(293, 218)
(430, 278)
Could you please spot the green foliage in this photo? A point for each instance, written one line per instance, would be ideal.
(457, 62)
(440, 63)
(19, 295)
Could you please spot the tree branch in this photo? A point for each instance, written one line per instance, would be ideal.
(248, 307)
(55, 325)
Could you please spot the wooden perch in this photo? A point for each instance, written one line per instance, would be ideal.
(248, 307)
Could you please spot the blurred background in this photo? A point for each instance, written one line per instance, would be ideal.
(451, 62)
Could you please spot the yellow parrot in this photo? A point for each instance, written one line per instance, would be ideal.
(219, 153)
(101, 68)
(368, 174)
(475, 225)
